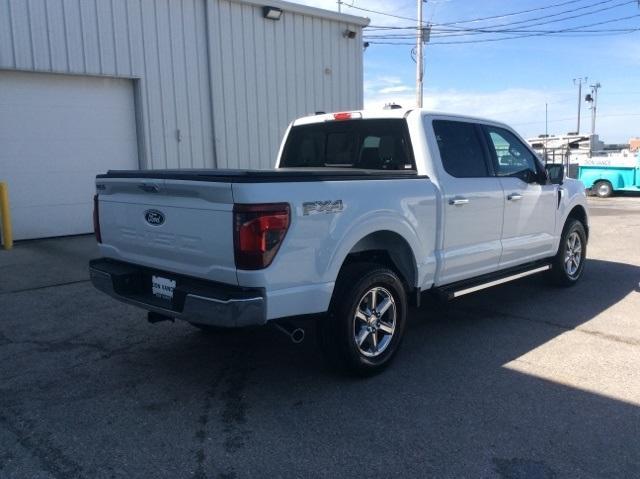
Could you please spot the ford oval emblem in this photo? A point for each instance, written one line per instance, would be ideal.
(154, 217)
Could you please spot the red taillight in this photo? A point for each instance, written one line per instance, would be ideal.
(258, 233)
(96, 219)
(342, 116)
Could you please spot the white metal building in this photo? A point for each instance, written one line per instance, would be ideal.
(91, 85)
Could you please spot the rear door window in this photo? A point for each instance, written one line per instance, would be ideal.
(461, 149)
(363, 144)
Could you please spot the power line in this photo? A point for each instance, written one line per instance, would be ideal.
(601, 30)
(566, 33)
(382, 13)
(472, 19)
(558, 34)
(441, 33)
(493, 17)
(546, 22)
(545, 33)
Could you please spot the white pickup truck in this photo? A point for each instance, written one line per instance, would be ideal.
(364, 211)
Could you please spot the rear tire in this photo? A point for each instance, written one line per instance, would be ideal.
(602, 189)
(568, 264)
(366, 320)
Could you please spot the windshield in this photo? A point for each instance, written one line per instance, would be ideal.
(363, 144)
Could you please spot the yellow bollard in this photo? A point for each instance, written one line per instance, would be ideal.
(5, 216)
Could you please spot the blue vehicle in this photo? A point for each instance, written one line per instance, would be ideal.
(603, 180)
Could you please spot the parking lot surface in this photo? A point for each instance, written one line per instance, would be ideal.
(519, 381)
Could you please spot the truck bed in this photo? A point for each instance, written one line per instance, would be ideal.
(263, 176)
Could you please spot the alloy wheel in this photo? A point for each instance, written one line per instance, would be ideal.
(374, 322)
(573, 254)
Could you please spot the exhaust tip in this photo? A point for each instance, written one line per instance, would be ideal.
(297, 335)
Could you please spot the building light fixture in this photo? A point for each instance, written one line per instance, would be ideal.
(272, 13)
(348, 33)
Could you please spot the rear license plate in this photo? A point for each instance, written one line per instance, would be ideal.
(162, 287)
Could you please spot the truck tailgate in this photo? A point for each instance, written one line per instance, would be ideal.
(179, 226)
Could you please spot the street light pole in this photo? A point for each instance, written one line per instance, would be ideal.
(546, 132)
(579, 82)
(419, 57)
(594, 95)
(593, 99)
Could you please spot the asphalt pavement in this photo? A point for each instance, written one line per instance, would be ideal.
(520, 381)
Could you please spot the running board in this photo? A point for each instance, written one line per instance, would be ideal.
(455, 290)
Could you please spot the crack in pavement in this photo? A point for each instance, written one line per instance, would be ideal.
(51, 458)
(36, 288)
(233, 413)
(203, 421)
(55, 346)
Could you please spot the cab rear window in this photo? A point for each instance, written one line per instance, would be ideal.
(362, 144)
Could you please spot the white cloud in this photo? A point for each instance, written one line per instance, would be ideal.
(522, 108)
(395, 89)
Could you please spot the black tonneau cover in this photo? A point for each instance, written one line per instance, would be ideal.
(265, 176)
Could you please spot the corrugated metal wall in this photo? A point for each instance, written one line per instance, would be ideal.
(163, 43)
(271, 72)
(201, 66)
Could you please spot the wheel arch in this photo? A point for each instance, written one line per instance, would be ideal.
(579, 213)
(590, 178)
(390, 248)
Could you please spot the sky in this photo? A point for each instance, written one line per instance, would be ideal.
(510, 80)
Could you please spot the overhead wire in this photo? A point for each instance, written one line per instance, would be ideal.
(586, 32)
(575, 29)
(473, 19)
(519, 22)
(440, 30)
(437, 31)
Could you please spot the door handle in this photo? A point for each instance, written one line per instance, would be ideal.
(514, 197)
(458, 201)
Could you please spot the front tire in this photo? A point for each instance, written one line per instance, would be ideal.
(366, 320)
(603, 189)
(568, 264)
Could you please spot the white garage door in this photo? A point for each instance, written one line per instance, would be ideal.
(56, 133)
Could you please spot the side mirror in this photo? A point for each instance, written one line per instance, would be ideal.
(543, 177)
(555, 172)
(528, 176)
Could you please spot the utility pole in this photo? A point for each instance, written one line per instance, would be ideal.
(419, 57)
(340, 5)
(423, 37)
(546, 132)
(593, 99)
(594, 106)
(579, 82)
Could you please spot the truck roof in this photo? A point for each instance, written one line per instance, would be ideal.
(381, 113)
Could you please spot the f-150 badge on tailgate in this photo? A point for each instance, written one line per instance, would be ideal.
(313, 207)
(154, 217)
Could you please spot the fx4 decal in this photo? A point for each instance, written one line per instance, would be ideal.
(313, 207)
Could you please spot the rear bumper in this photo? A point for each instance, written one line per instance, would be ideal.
(194, 300)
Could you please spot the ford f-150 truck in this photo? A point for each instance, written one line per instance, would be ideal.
(364, 211)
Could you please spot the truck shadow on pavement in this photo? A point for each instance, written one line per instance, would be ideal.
(168, 401)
